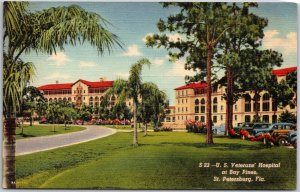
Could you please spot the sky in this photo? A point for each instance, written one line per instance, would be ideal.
(132, 22)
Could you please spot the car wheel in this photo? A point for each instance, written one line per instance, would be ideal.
(282, 141)
(295, 144)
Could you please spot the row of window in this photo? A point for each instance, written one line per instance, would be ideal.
(265, 118)
(57, 92)
(58, 99)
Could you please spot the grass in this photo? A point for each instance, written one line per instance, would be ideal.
(44, 130)
(163, 160)
(125, 127)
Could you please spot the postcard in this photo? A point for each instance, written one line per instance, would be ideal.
(149, 95)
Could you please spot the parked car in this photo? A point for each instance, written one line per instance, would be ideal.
(280, 136)
(43, 120)
(274, 126)
(251, 126)
(292, 138)
(219, 130)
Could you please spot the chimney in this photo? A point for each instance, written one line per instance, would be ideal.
(102, 79)
(56, 81)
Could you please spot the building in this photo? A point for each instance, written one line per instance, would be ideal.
(79, 92)
(190, 104)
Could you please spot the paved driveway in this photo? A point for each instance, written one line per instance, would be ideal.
(27, 146)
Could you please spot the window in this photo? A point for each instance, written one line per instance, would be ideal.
(178, 109)
(221, 107)
(178, 117)
(221, 117)
(266, 118)
(196, 109)
(173, 119)
(215, 105)
(186, 92)
(235, 117)
(202, 119)
(178, 101)
(168, 119)
(202, 105)
(186, 109)
(181, 117)
(83, 91)
(274, 106)
(274, 118)
(247, 118)
(214, 118)
(186, 100)
(235, 107)
(247, 103)
(266, 102)
(182, 101)
(185, 117)
(182, 109)
(256, 106)
(292, 106)
(196, 118)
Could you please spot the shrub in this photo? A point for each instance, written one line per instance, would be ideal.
(195, 126)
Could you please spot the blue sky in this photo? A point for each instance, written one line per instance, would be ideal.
(132, 22)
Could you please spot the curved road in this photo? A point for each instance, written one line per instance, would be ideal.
(27, 146)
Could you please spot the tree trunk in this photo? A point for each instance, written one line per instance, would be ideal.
(209, 138)
(256, 98)
(9, 148)
(30, 121)
(229, 101)
(53, 123)
(65, 125)
(145, 130)
(135, 139)
(22, 121)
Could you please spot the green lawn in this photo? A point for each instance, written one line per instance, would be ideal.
(163, 160)
(125, 127)
(43, 130)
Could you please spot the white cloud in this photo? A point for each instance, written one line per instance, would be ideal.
(59, 59)
(158, 61)
(178, 69)
(58, 75)
(86, 64)
(121, 75)
(132, 51)
(286, 45)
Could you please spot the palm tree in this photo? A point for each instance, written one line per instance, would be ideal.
(153, 103)
(130, 89)
(15, 77)
(53, 112)
(43, 31)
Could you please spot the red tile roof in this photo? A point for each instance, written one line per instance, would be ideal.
(69, 85)
(277, 72)
(284, 71)
(56, 86)
(96, 84)
(192, 86)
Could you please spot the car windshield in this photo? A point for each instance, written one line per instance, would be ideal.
(261, 126)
